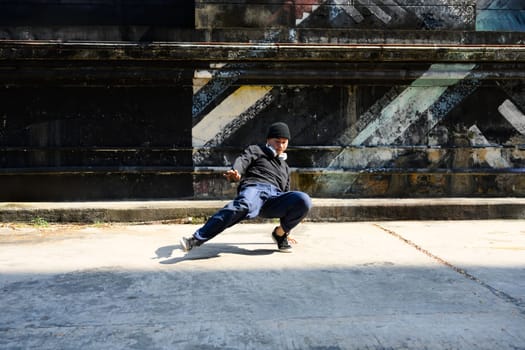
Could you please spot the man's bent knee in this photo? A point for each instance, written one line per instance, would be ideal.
(303, 200)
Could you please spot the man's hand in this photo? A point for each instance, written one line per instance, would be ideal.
(232, 175)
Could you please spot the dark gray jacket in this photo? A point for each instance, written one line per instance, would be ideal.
(258, 164)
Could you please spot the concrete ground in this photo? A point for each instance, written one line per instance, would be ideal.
(354, 285)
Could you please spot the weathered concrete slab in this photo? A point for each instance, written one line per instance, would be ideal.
(324, 209)
(382, 285)
(503, 244)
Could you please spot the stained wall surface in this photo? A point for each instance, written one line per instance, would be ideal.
(96, 120)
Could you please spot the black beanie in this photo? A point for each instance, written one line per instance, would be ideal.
(278, 130)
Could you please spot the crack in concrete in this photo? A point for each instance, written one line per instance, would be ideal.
(520, 304)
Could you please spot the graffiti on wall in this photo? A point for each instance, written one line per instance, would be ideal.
(481, 15)
(434, 129)
(453, 118)
(387, 13)
(401, 14)
(500, 15)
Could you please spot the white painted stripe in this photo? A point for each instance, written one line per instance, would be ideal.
(202, 74)
(200, 79)
(492, 156)
(350, 10)
(513, 115)
(407, 107)
(376, 10)
(307, 14)
(233, 106)
(392, 5)
(476, 137)
(300, 20)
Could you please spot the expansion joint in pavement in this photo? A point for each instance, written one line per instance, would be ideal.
(519, 303)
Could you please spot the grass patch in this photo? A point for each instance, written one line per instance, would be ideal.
(39, 222)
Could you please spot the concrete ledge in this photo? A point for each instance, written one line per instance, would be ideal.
(325, 209)
(246, 52)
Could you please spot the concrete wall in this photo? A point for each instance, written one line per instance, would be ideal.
(450, 130)
(356, 14)
(132, 119)
(484, 15)
(427, 129)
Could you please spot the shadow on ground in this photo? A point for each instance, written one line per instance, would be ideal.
(207, 251)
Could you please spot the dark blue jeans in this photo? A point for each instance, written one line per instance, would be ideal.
(262, 200)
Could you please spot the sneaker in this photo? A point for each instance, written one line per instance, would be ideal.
(189, 243)
(282, 242)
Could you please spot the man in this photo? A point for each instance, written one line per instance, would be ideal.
(264, 191)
